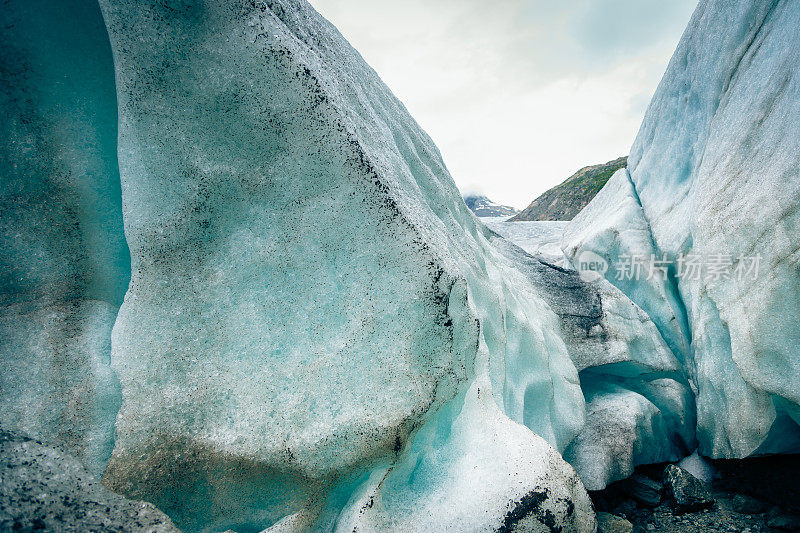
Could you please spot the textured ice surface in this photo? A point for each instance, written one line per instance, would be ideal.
(433, 486)
(698, 467)
(637, 413)
(629, 423)
(613, 226)
(640, 409)
(313, 313)
(629, 343)
(64, 264)
(318, 334)
(714, 171)
(540, 239)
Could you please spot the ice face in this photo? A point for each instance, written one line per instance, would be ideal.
(640, 407)
(713, 173)
(468, 453)
(539, 238)
(317, 333)
(614, 226)
(630, 423)
(312, 307)
(64, 264)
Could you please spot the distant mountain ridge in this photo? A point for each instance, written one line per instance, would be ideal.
(483, 207)
(566, 200)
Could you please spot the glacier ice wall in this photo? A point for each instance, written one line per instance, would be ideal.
(314, 317)
(631, 422)
(64, 264)
(714, 173)
(640, 408)
(317, 334)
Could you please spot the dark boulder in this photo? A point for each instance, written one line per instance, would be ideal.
(643, 489)
(609, 523)
(687, 493)
(746, 505)
(43, 488)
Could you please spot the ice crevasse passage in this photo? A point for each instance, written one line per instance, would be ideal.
(316, 333)
(713, 178)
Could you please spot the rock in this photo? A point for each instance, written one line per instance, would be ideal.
(643, 489)
(42, 487)
(746, 505)
(609, 523)
(314, 315)
(483, 207)
(625, 509)
(564, 201)
(687, 493)
(779, 520)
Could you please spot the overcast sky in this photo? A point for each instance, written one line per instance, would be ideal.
(518, 94)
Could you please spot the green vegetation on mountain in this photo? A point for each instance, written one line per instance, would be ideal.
(564, 201)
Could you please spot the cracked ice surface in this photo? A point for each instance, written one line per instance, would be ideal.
(310, 299)
(714, 171)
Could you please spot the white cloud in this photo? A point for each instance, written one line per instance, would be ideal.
(518, 94)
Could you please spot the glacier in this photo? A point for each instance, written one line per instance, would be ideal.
(277, 361)
(540, 239)
(334, 340)
(64, 262)
(713, 174)
(640, 407)
(239, 282)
